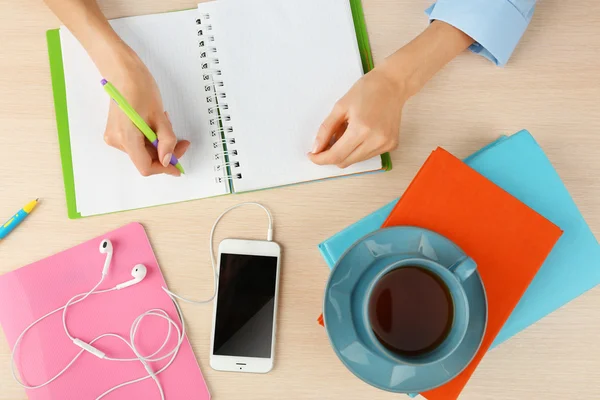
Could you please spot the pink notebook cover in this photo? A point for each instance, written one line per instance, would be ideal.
(32, 291)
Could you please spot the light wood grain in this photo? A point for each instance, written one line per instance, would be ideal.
(550, 87)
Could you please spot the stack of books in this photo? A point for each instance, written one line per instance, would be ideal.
(526, 275)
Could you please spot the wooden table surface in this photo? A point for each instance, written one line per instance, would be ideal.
(551, 87)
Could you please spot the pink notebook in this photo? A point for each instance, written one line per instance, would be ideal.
(32, 291)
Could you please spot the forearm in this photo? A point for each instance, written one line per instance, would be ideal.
(87, 23)
(417, 62)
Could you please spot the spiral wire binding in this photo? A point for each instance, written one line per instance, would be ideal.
(220, 127)
(225, 154)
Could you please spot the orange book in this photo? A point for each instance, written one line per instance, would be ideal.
(508, 240)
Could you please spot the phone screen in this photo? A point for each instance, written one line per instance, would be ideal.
(245, 306)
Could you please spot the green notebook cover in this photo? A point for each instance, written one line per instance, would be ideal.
(360, 26)
(57, 75)
(60, 100)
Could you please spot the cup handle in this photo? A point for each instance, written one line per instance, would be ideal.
(463, 268)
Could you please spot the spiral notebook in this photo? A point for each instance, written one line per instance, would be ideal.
(247, 82)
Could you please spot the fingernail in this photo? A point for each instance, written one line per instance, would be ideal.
(167, 160)
(315, 146)
(168, 117)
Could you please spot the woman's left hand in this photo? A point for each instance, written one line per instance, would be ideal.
(363, 124)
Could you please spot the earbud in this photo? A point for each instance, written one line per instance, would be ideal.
(138, 272)
(106, 248)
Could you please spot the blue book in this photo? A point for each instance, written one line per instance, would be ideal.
(518, 165)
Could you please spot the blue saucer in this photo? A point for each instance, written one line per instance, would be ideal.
(344, 303)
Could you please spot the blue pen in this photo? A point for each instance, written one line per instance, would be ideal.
(17, 218)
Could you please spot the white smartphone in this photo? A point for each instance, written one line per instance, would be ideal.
(245, 312)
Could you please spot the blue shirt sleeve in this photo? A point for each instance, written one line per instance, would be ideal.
(495, 25)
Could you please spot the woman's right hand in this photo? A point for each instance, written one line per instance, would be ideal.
(135, 82)
(119, 64)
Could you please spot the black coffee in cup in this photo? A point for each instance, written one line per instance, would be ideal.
(411, 311)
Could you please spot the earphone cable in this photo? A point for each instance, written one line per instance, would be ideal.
(212, 253)
(144, 360)
(66, 306)
(18, 341)
(174, 355)
(131, 344)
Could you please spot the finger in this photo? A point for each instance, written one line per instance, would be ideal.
(339, 151)
(170, 169)
(113, 144)
(111, 140)
(151, 150)
(179, 151)
(361, 153)
(144, 162)
(181, 148)
(330, 127)
(166, 139)
(112, 132)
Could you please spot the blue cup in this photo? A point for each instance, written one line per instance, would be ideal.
(453, 279)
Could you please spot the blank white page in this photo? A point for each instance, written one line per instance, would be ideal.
(285, 64)
(105, 179)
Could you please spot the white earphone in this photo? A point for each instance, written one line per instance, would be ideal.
(106, 248)
(138, 273)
